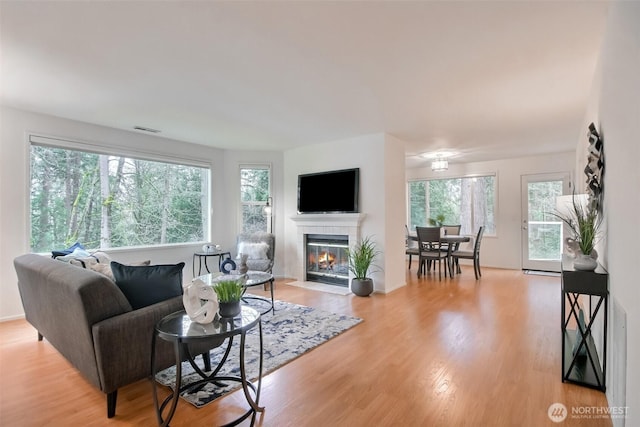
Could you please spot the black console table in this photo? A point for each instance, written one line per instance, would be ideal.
(583, 366)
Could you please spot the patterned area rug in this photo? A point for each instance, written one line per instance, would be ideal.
(289, 333)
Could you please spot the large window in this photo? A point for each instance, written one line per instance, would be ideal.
(468, 201)
(106, 201)
(255, 186)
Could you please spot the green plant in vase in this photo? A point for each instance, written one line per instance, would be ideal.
(229, 293)
(584, 222)
(361, 258)
(437, 221)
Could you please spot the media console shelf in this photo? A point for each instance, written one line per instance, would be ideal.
(583, 366)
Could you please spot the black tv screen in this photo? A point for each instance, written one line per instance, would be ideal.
(329, 192)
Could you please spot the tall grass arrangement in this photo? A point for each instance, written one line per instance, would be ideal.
(229, 290)
(584, 223)
(361, 258)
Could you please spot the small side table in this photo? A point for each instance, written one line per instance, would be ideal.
(204, 255)
(178, 329)
(256, 278)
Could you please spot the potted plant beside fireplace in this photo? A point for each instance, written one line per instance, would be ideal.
(361, 258)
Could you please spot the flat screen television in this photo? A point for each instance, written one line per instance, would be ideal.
(329, 192)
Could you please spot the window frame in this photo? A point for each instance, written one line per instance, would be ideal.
(241, 204)
(103, 148)
(468, 176)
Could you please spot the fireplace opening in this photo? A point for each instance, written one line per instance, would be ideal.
(327, 260)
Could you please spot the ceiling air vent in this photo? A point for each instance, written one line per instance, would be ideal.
(144, 129)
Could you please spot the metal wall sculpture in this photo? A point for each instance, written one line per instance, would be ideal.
(595, 168)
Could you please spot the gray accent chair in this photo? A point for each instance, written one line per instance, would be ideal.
(85, 316)
(265, 264)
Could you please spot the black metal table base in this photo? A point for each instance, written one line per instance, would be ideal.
(181, 349)
(271, 304)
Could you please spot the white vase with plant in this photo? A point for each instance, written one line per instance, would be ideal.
(584, 222)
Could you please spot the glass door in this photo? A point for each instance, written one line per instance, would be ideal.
(542, 233)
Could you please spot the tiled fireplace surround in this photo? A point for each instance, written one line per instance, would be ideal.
(328, 224)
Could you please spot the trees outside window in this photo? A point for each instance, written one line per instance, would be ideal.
(468, 201)
(255, 189)
(105, 201)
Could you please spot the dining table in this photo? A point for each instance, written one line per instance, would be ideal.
(451, 240)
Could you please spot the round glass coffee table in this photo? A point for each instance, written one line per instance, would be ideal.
(178, 329)
(257, 278)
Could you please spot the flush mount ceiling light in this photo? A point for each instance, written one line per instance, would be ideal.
(438, 155)
(144, 129)
(438, 159)
(439, 165)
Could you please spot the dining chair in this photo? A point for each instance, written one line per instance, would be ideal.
(474, 255)
(430, 249)
(411, 245)
(450, 230)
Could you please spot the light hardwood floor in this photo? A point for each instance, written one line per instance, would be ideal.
(456, 352)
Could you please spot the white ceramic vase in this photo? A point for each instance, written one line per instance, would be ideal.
(584, 262)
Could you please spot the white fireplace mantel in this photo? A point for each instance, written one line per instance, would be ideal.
(341, 220)
(331, 224)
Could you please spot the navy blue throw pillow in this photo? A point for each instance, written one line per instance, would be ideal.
(67, 251)
(144, 285)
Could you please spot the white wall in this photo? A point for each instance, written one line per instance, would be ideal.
(615, 109)
(504, 250)
(381, 162)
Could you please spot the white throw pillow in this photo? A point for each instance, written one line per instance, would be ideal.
(253, 250)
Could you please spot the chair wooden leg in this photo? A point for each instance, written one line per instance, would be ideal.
(409, 261)
(475, 268)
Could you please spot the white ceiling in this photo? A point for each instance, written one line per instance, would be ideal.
(488, 79)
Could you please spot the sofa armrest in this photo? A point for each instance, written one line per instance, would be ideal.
(123, 344)
(62, 302)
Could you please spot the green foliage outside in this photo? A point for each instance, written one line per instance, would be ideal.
(254, 193)
(544, 228)
(469, 202)
(106, 201)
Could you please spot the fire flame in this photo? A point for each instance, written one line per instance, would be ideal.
(326, 260)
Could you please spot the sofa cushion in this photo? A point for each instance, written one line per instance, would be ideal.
(146, 285)
(106, 268)
(87, 261)
(62, 252)
(253, 250)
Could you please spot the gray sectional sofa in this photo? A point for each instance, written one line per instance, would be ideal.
(87, 318)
